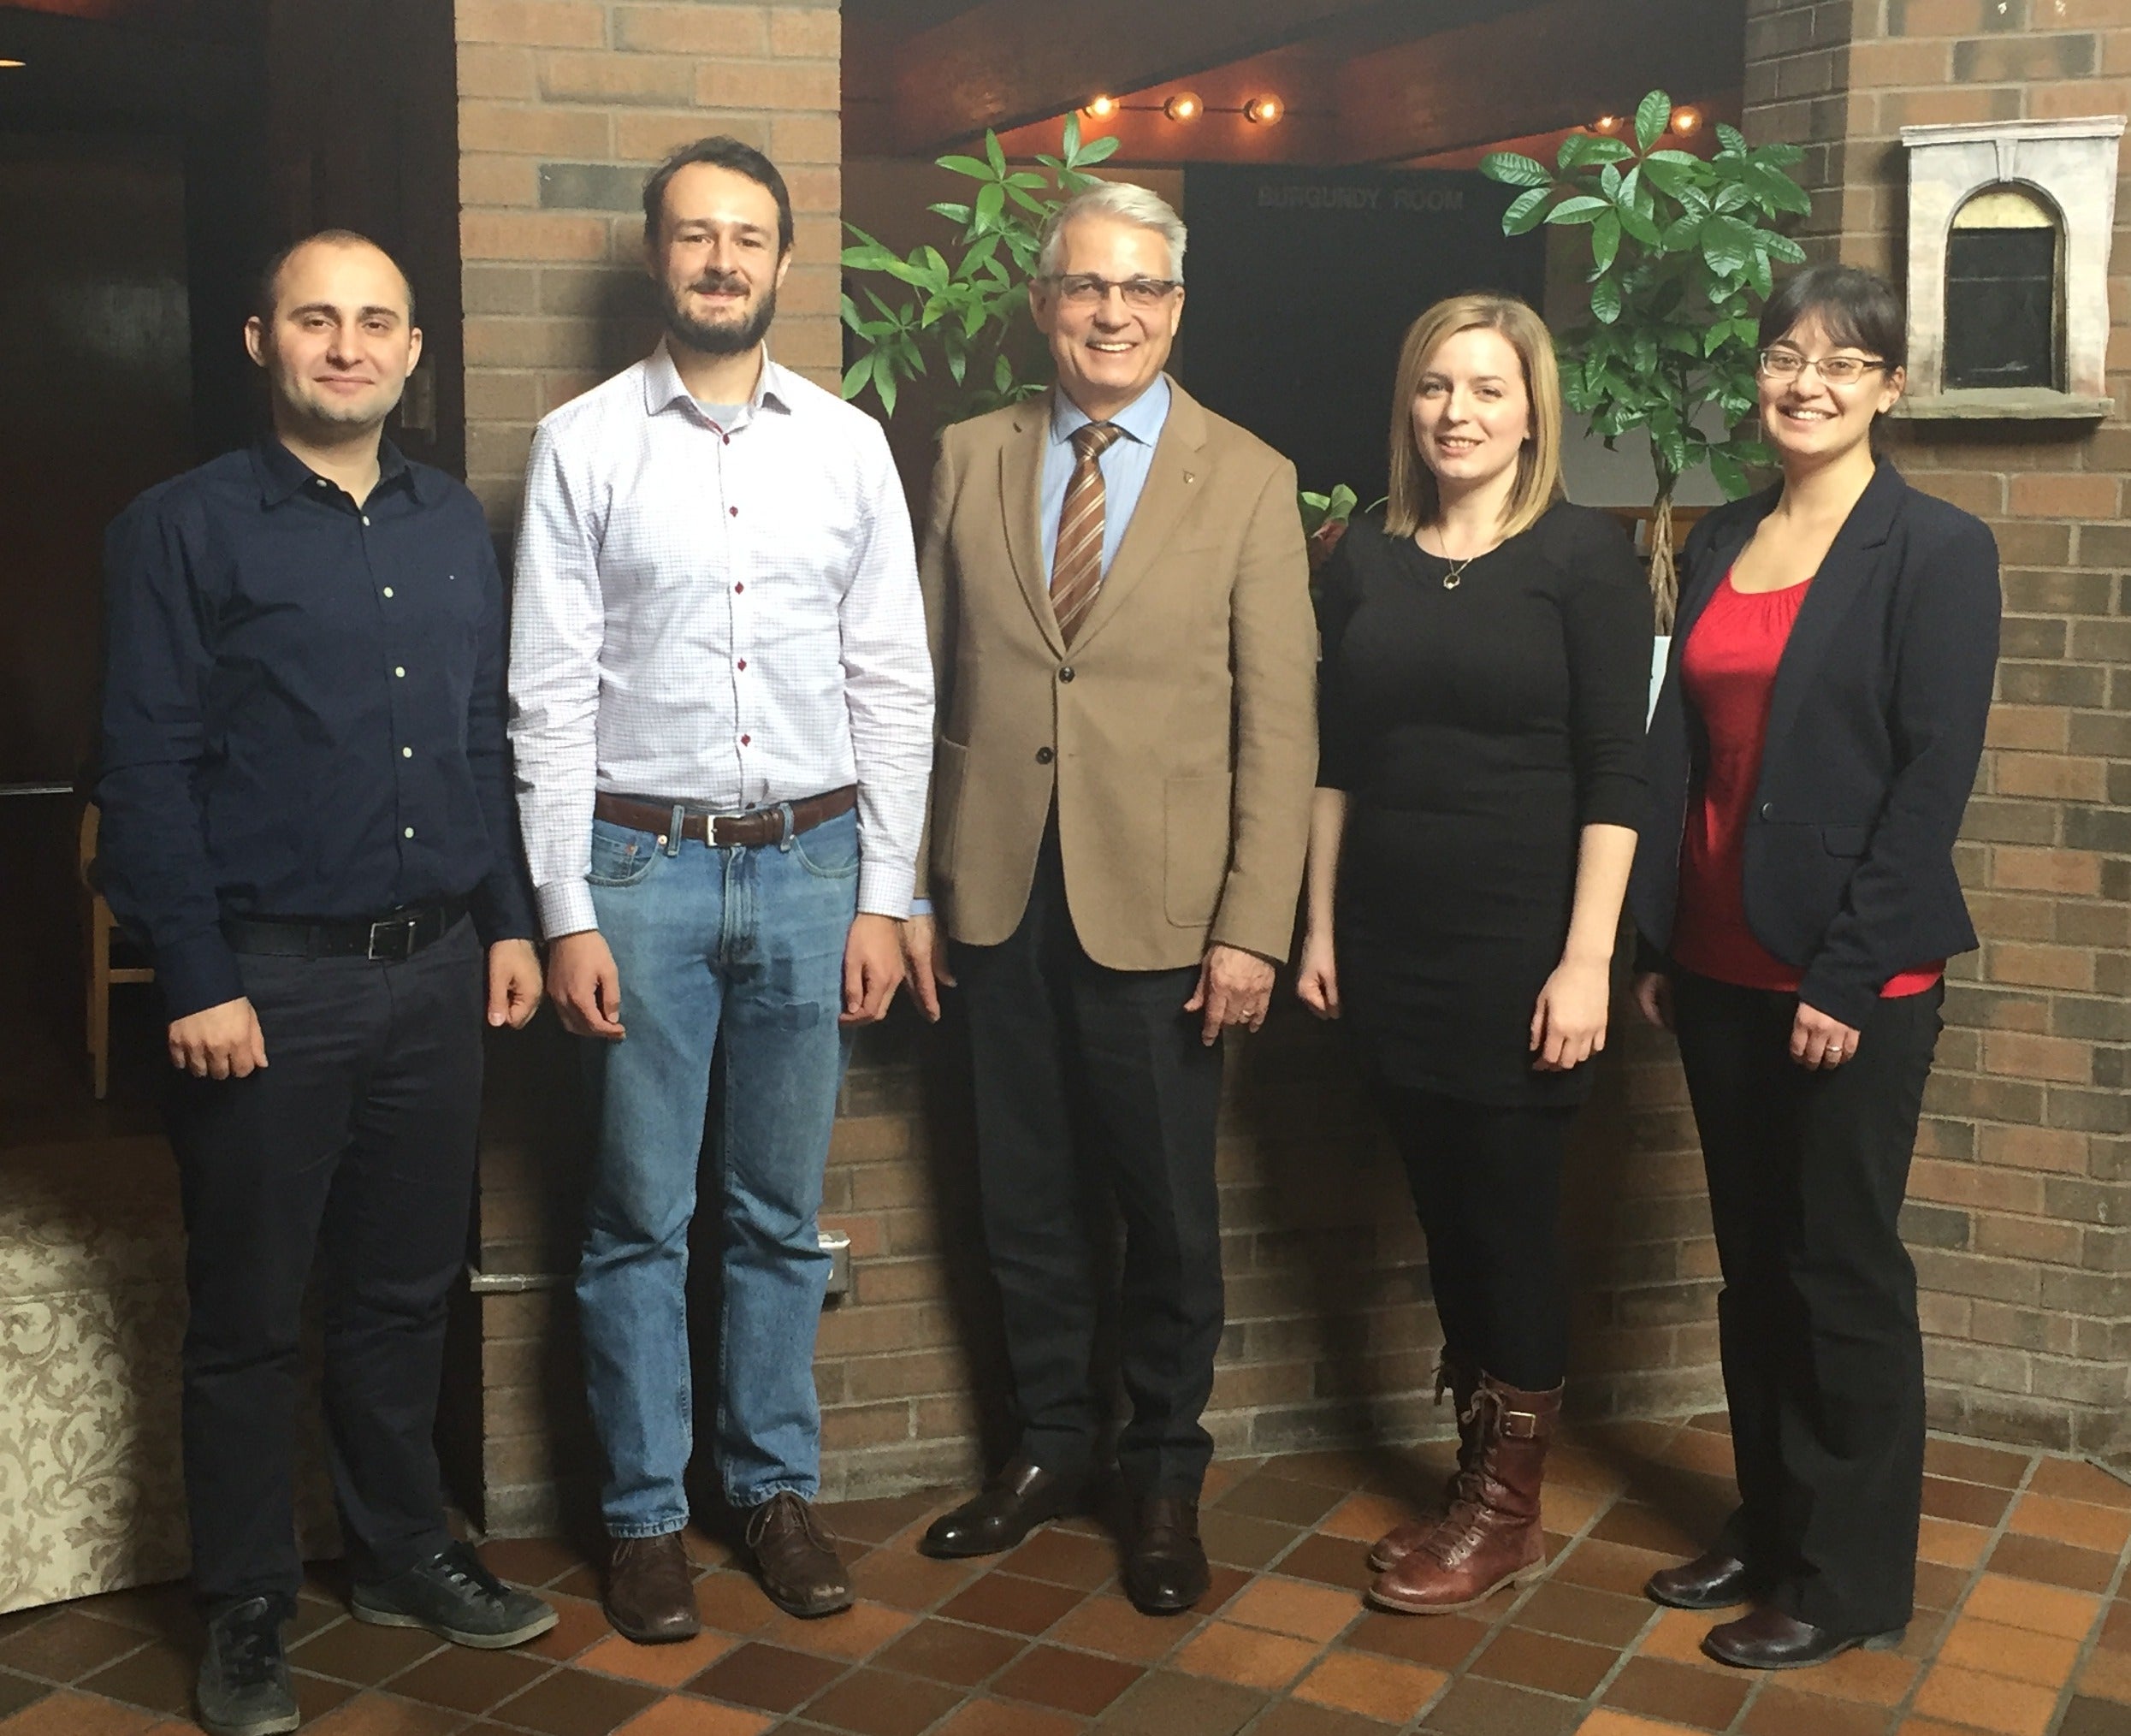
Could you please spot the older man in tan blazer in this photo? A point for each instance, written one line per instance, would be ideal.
(1119, 605)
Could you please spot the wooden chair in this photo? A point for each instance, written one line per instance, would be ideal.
(99, 929)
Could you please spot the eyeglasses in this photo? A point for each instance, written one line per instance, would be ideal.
(1836, 371)
(1085, 289)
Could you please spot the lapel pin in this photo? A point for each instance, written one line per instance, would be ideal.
(1189, 477)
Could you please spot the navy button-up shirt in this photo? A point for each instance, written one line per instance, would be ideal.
(303, 711)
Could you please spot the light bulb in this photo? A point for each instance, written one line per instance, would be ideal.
(1101, 108)
(1264, 112)
(1607, 124)
(1686, 121)
(1184, 105)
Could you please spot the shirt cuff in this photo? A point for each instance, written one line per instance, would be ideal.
(197, 973)
(921, 907)
(566, 907)
(883, 890)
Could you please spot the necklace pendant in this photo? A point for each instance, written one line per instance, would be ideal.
(1451, 580)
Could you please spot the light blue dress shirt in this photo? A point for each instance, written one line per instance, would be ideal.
(1124, 465)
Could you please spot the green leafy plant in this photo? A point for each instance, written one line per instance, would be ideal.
(933, 314)
(1682, 254)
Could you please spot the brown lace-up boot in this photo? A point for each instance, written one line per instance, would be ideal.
(1491, 1536)
(1460, 1380)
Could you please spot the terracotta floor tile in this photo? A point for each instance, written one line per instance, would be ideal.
(2044, 1659)
(2085, 1717)
(1931, 1726)
(2107, 1675)
(733, 1603)
(1990, 1702)
(2023, 1603)
(530, 1560)
(1248, 1656)
(1165, 1703)
(1972, 1503)
(1340, 1562)
(65, 1714)
(575, 1702)
(1300, 1718)
(1564, 1509)
(1544, 1660)
(1017, 1605)
(907, 1580)
(708, 1548)
(1951, 1544)
(1878, 1677)
(1604, 1723)
(1939, 1587)
(657, 1666)
(1111, 1625)
(577, 1625)
(1472, 1706)
(68, 1646)
(1697, 1449)
(1288, 1606)
(1579, 1466)
(382, 1714)
(1652, 1687)
(1220, 1477)
(879, 1702)
(1603, 1618)
(853, 1633)
(1066, 1681)
(767, 1678)
(167, 1610)
(1607, 1566)
(947, 1651)
(463, 1680)
(1365, 1518)
(159, 1677)
(876, 1521)
(1973, 1462)
(1002, 1718)
(1065, 1558)
(1240, 1540)
(18, 1691)
(2053, 1563)
(2116, 1631)
(586, 1582)
(1269, 1496)
(2086, 1524)
(1334, 1467)
(1374, 1686)
(1224, 1582)
(2072, 1479)
(1636, 1526)
(1676, 1637)
(1781, 1709)
(355, 1652)
(1442, 1642)
(678, 1716)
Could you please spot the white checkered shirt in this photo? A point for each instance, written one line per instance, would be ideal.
(722, 616)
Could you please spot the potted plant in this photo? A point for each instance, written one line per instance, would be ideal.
(1682, 254)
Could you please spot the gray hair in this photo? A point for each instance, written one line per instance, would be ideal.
(1127, 203)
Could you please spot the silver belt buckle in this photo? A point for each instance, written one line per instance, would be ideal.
(401, 927)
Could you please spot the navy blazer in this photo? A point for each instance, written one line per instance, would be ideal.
(1875, 728)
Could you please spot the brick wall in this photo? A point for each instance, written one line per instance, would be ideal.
(2020, 1205)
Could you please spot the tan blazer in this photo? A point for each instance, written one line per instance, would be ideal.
(1179, 734)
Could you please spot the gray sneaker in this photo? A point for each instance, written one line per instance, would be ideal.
(244, 1688)
(456, 1598)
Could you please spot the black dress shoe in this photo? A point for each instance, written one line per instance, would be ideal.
(243, 1684)
(1166, 1572)
(1011, 1505)
(1715, 1579)
(456, 1598)
(1768, 1640)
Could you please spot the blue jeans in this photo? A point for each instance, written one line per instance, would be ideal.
(745, 944)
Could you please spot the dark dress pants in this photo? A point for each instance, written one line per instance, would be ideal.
(1823, 1359)
(1085, 1075)
(356, 1140)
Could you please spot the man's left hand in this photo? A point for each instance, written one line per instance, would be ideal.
(872, 969)
(514, 983)
(1234, 988)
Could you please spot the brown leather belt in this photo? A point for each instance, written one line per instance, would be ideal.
(764, 825)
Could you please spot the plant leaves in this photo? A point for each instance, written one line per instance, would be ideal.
(991, 201)
(1730, 138)
(1729, 478)
(953, 213)
(1514, 170)
(1605, 239)
(1653, 115)
(1525, 210)
(1726, 245)
(965, 165)
(1784, 248)
(1605, 300)
(995, 152)
(1579, 210)
(885, 380)
(856, 375)
(1096, 152)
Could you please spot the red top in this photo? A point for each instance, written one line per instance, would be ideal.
(1727, 670)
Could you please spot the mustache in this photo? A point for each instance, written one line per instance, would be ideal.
(712, 283)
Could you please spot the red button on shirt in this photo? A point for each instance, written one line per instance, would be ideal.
(1727, 672)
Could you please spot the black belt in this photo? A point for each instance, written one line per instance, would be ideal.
(391, 939)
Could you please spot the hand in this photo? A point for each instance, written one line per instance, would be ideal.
(1818, 1040)
(513, 983)
(218, 1042)
(1653, 996)
(1234, 988)
(585, 986)
(925, 963)
(873, 966)
(1568, 1025)
(1316, 977)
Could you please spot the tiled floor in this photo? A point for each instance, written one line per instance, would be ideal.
(2018, 1633)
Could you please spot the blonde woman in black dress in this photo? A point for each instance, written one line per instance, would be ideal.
(1486, 660)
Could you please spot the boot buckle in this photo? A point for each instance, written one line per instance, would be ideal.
(1519, 1426)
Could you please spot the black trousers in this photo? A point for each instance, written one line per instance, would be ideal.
(1085, 1077)
(1486, 1182)
(1823, 1359)
(358, 1139)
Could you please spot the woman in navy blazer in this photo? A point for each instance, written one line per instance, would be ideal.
(1812, 749)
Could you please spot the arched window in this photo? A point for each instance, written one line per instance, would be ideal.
(2004, 267)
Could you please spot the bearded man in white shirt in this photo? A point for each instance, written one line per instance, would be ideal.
(722, 710)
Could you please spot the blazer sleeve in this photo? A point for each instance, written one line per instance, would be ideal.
(1273, 652)
(1341, 758)
(1945, 665)
(936, 582)
(1607, 626)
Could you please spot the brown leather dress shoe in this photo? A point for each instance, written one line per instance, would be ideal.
(1460, 1381)
(796, 1558)
(1166, 1572)
(1768, 1640)
(1714, 1579)
(1022, 1497)
(651, 1590)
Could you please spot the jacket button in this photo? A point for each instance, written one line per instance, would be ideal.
(1768, 811)
(1044, 757)
(1066, 674)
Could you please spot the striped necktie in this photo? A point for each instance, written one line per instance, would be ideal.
(1076, 570)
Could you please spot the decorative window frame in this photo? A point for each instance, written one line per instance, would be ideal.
(2071, 167)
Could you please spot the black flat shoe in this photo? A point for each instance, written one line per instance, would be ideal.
(1768, 1640)
(1166, 1572)
(1715, 1579)
(244, 1687)
(1014, 1503)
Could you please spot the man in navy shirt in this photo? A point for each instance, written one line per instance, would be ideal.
(307, 816)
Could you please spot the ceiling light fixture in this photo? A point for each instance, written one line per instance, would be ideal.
(6, 64)
(1184, 105)
(1687, 122)
(1264, 112)
(1607, 124)
(1101, 108)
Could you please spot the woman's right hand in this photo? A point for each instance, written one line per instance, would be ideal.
(1316, 977)
(1654, 997)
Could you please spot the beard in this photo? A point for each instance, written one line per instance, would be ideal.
(727, 337)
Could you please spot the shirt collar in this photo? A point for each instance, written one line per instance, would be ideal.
(1142, 419)
(282, 475)
(663, 387)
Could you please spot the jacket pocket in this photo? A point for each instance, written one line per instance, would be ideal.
(1845, 840)
(951, 759)
(1195, 847)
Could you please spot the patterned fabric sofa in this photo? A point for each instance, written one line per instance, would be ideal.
(92, 1317)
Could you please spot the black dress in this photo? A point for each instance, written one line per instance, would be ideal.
(1476, 731)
